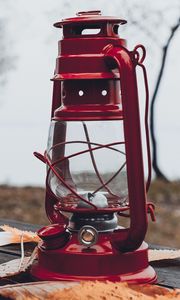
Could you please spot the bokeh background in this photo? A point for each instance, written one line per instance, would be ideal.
(28, 48)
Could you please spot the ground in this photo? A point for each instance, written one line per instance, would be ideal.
(26, 204)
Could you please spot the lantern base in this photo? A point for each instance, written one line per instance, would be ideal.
(74, 262)
(146, 276)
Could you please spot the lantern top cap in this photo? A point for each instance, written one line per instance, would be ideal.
(93, 16)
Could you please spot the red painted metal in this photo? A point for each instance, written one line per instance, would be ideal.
(91, 70)
(101, 262)
(54, 236)
(52, 231)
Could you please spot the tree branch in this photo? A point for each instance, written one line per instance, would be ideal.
(156, 168)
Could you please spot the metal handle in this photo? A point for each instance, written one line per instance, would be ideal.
(139, 61)
(130, 239)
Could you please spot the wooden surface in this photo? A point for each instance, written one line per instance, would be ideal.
(168, 271)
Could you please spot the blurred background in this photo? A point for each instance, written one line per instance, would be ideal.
(28, 49)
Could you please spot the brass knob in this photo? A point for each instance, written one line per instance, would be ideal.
(88, 236)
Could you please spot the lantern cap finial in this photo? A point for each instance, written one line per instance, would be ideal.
(90, 12)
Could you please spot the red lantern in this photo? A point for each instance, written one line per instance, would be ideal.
(94, 159)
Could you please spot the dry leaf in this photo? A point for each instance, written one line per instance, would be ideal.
(155, 255)
(34, 291)
(87, 291)
(113, 291)
(11, 268)
(16, 266)
(11, 235)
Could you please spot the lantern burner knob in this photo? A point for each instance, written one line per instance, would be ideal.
(88, 236)
(90, 12)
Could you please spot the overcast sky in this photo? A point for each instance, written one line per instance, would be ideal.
(25, 99)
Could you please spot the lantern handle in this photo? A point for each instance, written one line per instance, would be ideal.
(131, 238)
(139, 62)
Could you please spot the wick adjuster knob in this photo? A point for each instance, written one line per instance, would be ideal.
(54, 236)
(88, 236)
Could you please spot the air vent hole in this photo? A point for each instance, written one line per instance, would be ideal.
(81, 93)
(104, 92)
